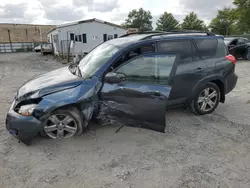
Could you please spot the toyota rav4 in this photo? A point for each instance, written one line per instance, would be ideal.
(141, 74)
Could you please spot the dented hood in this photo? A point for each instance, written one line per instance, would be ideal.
(47, 83)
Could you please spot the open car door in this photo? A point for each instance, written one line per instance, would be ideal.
(138, 90)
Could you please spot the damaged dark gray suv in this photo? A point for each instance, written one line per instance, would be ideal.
(140, 74)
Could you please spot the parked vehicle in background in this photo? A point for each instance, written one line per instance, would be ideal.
(137, 76)
(238, 46)
(46, 48)
(38, 48)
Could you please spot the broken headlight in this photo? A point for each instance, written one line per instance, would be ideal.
(26, 110)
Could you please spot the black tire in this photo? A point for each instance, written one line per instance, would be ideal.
(195, 105)
(245, 57)
(74, 114)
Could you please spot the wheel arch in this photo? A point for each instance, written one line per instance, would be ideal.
(221, 85)
(74, 112)
(216, 80)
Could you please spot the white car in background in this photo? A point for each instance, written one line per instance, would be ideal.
(38, 48)
(46, 48)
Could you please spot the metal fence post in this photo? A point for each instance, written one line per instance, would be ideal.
(69, 50)
(10, 40)
(61, 47)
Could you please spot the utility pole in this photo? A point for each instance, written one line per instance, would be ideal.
(40, 34)
(10, 40)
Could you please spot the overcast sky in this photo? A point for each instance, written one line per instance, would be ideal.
(62, 11)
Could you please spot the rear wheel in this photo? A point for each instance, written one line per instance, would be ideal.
(206, 99)
(63, 123)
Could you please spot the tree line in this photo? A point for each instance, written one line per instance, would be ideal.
(228, 21)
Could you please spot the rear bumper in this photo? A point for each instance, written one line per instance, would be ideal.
(230, 82)
(23, 128)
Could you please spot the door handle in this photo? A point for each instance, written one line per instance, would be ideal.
(199, 69)
(157, 95)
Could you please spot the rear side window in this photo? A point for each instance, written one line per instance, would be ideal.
(185, 49)
(222, 50)
(211, 48)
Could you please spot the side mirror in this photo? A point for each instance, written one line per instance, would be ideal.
(114, 78)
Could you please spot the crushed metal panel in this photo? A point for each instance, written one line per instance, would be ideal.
(136, 105)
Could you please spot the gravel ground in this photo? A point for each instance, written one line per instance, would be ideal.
(197, 151)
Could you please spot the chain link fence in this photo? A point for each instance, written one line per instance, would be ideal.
(244, 36)
(17, 47)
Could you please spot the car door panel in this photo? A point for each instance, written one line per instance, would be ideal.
(187, 75)
(189, 71)
(239, 49)
(143, 102)
(233, 48)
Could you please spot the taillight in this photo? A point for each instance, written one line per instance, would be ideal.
(231, 58)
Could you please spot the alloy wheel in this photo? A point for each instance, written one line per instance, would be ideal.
(207, 99)
(59, 126)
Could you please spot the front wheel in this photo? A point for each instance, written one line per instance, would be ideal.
(63, 123)
(206, 99)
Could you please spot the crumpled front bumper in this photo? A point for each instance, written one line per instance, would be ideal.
(23, 128)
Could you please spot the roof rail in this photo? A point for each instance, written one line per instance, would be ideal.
(178, 32)
(141, 32)
(192, 31)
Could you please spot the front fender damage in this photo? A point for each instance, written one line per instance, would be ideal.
(83, 97)
(86, 98)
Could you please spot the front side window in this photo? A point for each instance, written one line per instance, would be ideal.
(96, 59)
(154, 69)
(222, 49)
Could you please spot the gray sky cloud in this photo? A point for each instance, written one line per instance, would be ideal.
(119, 17)
(206, 9)
(59, 11)
(105, 6)
(9, 11)
(63, 13)
(85, 3)
(47, 3)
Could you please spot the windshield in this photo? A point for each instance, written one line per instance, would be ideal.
(96, 59)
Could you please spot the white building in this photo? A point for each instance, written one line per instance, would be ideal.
(84, 35)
